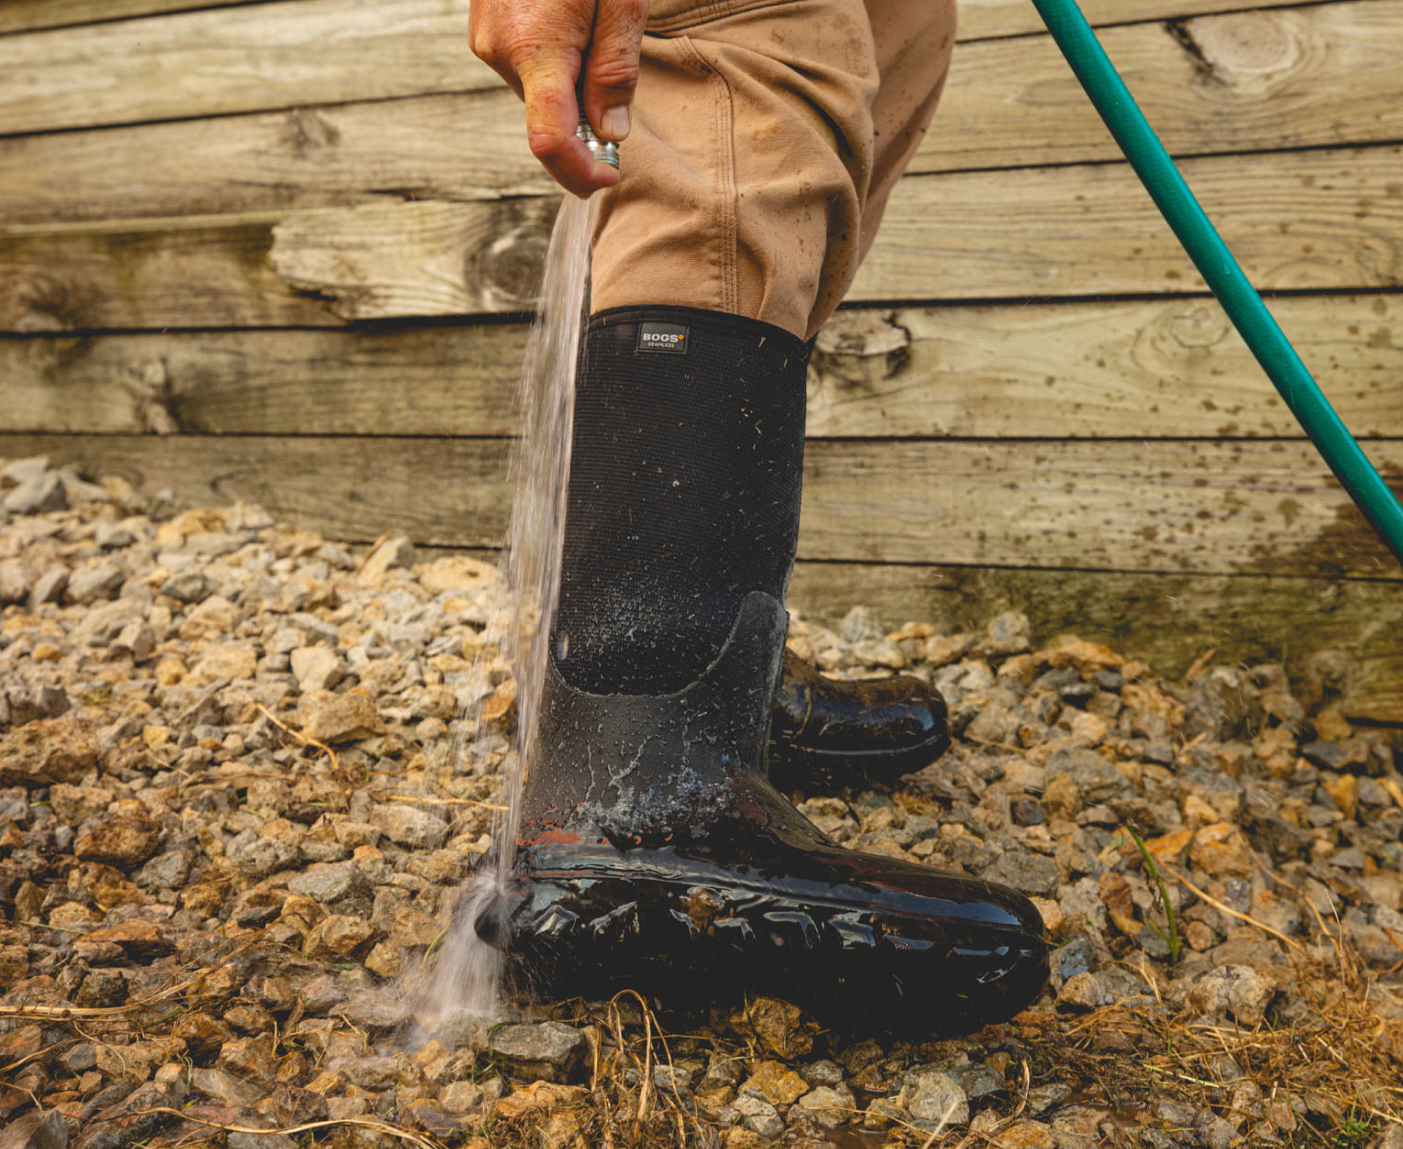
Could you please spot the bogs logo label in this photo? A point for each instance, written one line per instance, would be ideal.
(669, 337)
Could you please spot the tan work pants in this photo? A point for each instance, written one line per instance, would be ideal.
(766, 138)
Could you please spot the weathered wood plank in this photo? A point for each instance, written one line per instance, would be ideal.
(454, 147)
(978, 18)
(1294, 77)
(1077, 370)
(244, 57)
(312, 268)
(1167, 621)
(185, 272)
(237, 59)
(1303, 220)
(28, 15)
(418, 381)
(1269, 79)
(1071, 370)
(1173, 506)
(983, 18)
(1297, 220)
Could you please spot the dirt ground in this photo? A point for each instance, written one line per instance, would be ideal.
(234, 823)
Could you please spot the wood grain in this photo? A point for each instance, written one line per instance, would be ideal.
(238, 59)
(455, 147)
(983, 18)
(1258, 80)
(1075, 370)
(978, 18)
(1167, 621)
(242, 58)
(28, 15)
(181, 273)
(1305, 220)
(1174, 506)
(1298, 220)
(417, 381)
(316, 268)
(1247, 81)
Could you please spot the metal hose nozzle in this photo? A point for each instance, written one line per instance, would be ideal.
(606, 151)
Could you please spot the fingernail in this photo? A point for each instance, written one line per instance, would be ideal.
(614, 123)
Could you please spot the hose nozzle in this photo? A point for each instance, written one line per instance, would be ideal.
(602, 150)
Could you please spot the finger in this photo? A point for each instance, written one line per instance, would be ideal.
(552, 116)
(611, 68)
(483, 44)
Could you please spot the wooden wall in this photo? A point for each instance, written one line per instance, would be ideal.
(280, 251)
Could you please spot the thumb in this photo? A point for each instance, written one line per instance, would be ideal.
(611, 68)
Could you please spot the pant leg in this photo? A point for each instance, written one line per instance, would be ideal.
(767, 135)
(913, 41)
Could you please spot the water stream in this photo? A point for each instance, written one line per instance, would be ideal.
(465, 982)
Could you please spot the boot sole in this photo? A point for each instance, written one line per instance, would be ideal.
(690, 932)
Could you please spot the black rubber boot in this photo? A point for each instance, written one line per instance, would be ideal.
(654, 854)
(826, 736)
(653, 851)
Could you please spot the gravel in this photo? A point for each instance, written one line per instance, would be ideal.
(231, 818)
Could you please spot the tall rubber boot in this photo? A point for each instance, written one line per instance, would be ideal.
(653, 852)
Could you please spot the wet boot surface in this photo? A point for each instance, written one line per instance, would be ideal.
(655, 854)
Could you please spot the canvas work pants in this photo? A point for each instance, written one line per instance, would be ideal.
(766, 138)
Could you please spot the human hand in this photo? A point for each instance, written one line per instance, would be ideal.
(540, 47)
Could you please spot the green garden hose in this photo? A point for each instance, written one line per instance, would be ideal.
(1221, 271)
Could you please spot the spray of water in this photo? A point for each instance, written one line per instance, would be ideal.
(465, 981)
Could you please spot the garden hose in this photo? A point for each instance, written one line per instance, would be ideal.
(1221, 271)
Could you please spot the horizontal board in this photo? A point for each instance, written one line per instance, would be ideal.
(454, 147)
(236, 59)
(1166, 621)
(1217, 507)
(1259, 80)
(1303, 220)
(1074, 370)
(184, 272)
(977, 17)
(417, 381)
(1083, 370)
(1295, 220)
(1248, 81)
(228, 59)
(983, 18)
(28, 15)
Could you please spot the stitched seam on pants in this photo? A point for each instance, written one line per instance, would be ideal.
(725, 230)
(704, 11)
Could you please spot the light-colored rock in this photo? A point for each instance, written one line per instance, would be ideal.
(759, 1116)
(336, 718)
(93, 583)
(15, 582)
(409, 825)
(1235, 989)
(37, 495)
(456, 573)
(315, 668)
(222, 660)
(388, 554)
(934, 1099)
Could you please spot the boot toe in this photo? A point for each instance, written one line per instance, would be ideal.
(902, 948)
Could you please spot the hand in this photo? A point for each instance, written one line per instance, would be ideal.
(540, 47)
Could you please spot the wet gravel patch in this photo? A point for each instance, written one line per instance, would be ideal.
(233, 828)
